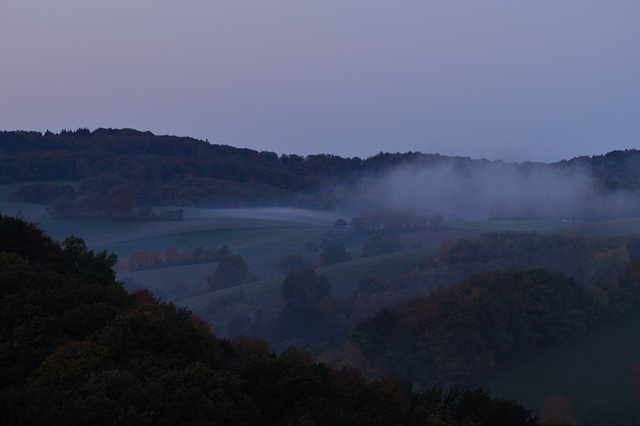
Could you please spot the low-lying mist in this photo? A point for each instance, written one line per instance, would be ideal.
(480, 190)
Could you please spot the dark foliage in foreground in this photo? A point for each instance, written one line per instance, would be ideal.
(76, 348)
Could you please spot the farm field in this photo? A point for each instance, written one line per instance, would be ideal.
(591, 368)
(343, 277)
(261, 242)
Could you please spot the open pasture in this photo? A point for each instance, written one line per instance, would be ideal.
(248, 236)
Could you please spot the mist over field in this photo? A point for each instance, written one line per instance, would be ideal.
(497, 190)
(271, 213)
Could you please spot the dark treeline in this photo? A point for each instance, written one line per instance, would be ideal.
(164, 170)
(456, 335)
(170, 170)
(173, 257)
(76, 348)
(585, 259)
(231, 271)
(378, 221)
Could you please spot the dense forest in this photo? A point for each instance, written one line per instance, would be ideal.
(119, 169)
(456, 335)
(76, 348)
(587, 260)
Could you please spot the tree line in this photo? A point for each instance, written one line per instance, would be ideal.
(170, 170)
(585, 259)
(456, 335)
(173, 257)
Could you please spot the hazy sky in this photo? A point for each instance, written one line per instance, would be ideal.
(535, 80)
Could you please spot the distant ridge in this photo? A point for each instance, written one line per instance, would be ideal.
(172, 170)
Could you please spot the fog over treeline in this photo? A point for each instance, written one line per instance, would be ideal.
(481, 189)
(132, 169)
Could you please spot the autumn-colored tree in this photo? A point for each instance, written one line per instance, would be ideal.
(230, 272)
(334, 253)
(377, 245)
(303, 287)
(454, 335)
(290, 261)
(142, 260)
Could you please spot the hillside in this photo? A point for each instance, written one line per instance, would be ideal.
(119, 169)
(76, 348)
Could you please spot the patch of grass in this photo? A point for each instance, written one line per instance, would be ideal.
(344, 277)
(250, 237)
(260, 241)
(591, 367)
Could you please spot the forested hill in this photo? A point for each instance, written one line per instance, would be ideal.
(171, 170)
(76, 348)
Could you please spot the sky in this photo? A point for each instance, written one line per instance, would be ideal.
(519, 81)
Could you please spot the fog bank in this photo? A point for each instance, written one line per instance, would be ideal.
(479, 190)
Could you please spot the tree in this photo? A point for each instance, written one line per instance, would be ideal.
(303, 287)
(377, 245)
(334, 253)
(291, 261)
(230, 272)
(435, 220)
(145, 212)
(340, 223)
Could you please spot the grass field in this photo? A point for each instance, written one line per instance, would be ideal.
(593, 367)
(343, 277)
(261, 242)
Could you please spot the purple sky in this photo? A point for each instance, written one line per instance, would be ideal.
(537, 80)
